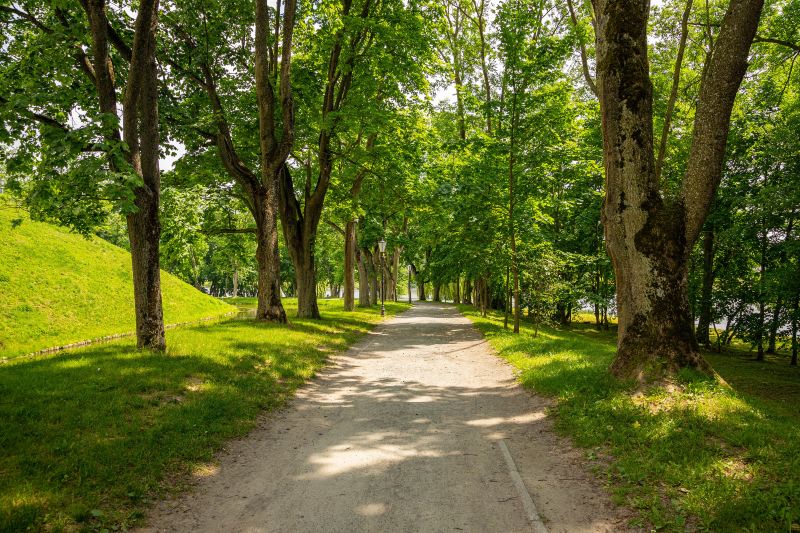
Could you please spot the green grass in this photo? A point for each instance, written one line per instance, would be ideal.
(58, 288)
(708, 457)
(90, 436)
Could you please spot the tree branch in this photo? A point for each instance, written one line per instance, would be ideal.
(793, 46)
(676, 78)
(584, 60)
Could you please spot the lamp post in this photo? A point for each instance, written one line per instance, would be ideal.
(409, 283)
(382, 248)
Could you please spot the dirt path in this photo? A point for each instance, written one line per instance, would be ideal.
(404, 432)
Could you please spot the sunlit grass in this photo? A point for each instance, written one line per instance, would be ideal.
(708, 457)
(59, 288)
(90, 436)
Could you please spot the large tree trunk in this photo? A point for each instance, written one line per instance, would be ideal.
(437, 289)
(144, 232)
(270, 306)
(306, 276)
(649, 238)
(144, 227)
(349, 257)
(141, 134)
(300, 233)
(273, 150)
(457, 293)
(468, 291)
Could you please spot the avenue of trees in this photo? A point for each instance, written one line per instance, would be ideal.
(539, 157)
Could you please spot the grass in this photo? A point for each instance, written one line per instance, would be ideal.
(58, 288)
(90, 436)
(708, 457)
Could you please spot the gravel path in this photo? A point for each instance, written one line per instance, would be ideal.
(404, 432)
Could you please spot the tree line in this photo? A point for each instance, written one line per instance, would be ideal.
(535, 156)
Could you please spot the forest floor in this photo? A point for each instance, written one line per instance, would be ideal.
(407, 431)
(708, 456)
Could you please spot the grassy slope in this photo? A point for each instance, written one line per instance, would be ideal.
(57, 288)
(708, 457)
(90, 435)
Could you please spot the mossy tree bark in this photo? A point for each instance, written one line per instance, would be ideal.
(649, 237)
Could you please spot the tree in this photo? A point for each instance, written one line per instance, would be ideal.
(650, 235)
(73, 184)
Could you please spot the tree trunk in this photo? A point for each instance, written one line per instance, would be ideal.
(649, 238)
(235, 280)
(269, 306)
(300, 233)
(363, 280)
(774, 324)
(762, 294)
(421, 288)
(306, 288)
(437, 297)
(141, 134)
(349, 256)
(468, 291)
(704, 317)
(457, 293)
(374, 275)
(795, 313)
(395, 273)
(144, 232)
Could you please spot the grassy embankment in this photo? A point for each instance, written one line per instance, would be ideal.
(58, 288)
(709, 457)
(90, 436)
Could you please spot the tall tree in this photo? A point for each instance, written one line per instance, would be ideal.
(140, 133)
(649, 234)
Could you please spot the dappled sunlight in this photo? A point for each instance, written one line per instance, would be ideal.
(373, 453)
(372, 509)
(108, 415)
(703, 449)
(205, 470)
(496, 421)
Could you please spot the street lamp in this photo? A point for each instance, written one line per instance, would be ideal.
(382, 248)
(409, 283)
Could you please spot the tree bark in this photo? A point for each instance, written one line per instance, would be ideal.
(349, 256)
(437, 297)
(269, 306)
(274, 150)
(649, 238)
(141, 134)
